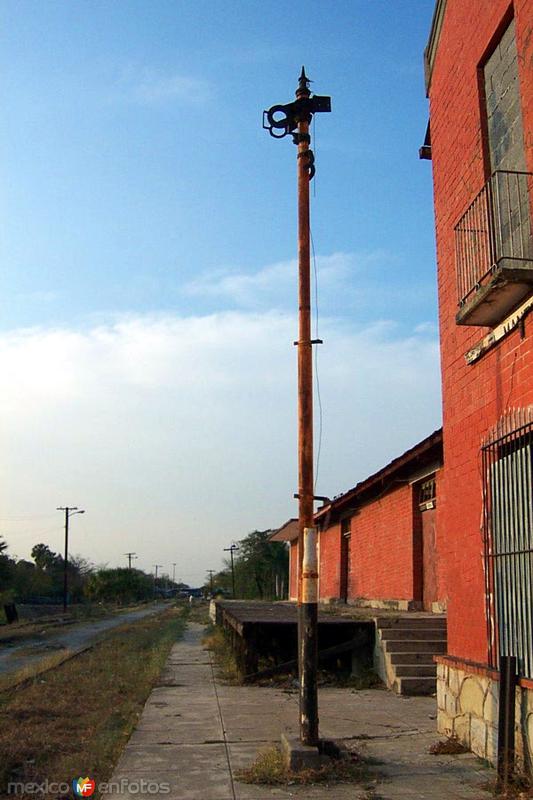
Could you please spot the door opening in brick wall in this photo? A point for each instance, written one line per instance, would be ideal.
(508, 544)
(427, 502)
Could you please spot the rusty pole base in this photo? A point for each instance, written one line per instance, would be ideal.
(308, 638)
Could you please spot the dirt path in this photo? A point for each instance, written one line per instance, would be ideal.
(28, 652)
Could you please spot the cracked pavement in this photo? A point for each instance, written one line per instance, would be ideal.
(195, 732)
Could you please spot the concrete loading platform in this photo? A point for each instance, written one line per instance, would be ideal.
(264, 638)
(399, 646)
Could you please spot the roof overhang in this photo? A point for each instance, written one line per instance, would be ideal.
(287, 533)
(421, 460)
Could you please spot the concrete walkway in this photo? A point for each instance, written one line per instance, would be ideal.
(195, 733)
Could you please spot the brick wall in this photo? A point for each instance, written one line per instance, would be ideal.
(330, 562)
(474, 397)
(382, 548)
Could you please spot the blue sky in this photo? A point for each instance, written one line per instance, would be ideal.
(148, 239)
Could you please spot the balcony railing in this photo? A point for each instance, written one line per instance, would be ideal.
(494, 249)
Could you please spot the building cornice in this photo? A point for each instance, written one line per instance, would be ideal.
(433, 42)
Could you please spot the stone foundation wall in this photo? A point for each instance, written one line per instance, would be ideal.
(468, 709)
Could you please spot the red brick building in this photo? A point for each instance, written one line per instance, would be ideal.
(378, 543)
(479, 78)
(289, 533)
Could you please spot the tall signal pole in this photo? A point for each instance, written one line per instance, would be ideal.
(280, 120)
(69, 512)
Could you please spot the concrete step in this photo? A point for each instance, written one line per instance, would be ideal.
(416, 686)
(415, 670)
(411, 622)
(435, 634)
(414, 645)
(410, 658)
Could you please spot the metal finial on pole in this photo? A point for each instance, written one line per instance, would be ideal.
(280, 120)
(303, 82)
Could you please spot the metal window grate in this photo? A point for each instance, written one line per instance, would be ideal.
(508, 546)
(428, 492)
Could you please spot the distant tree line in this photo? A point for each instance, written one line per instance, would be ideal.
(41, 580)
(261, 569)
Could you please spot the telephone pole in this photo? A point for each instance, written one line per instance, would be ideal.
(280, 120)
(174, 572)
(69, 512)
(231, 550)
(211, 572)
(130, 556)
(155, 576)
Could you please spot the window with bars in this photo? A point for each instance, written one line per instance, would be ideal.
(508, 519)
(427, 494)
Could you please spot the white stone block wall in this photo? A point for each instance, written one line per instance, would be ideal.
(468, 709)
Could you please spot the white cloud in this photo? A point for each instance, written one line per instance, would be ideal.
(275, 285)
(149, 86)
(177, 434)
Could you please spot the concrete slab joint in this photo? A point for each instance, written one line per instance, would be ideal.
(197, 732)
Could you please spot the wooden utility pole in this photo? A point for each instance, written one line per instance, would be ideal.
(69, 512)
(295, 118)
(155, 577)
(307, 589)
(231, 550)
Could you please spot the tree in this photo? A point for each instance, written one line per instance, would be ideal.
(45, 558)
(261, 568)
(6, 566)
(119, 585)
(29, 581)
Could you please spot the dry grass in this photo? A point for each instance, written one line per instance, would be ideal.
(371, 794)
(448, 747)
(31, 671)
(520, 788)
(197, 611)
(76, 718)
(217, 642)
(269, 768)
